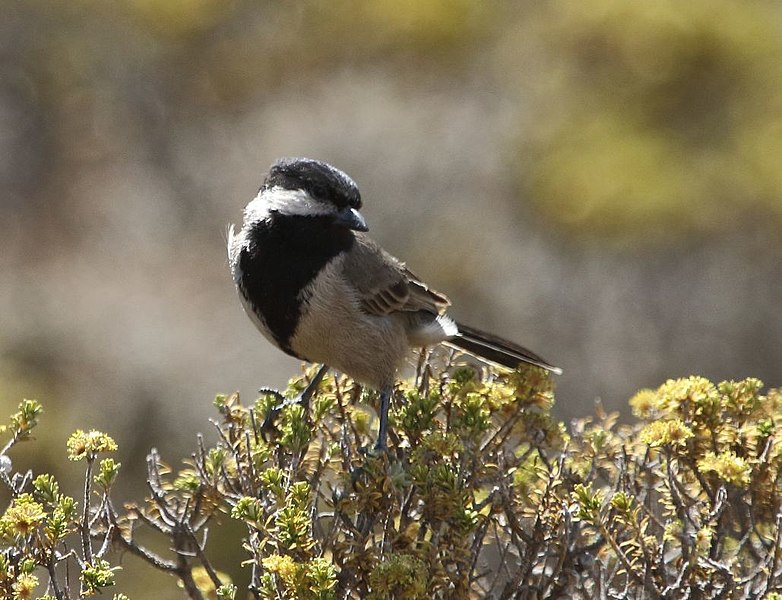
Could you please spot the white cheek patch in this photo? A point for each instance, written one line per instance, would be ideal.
(285, 202)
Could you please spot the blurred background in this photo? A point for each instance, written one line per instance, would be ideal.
(600, 181)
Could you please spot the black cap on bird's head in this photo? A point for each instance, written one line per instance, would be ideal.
(308, 189)
(318, 179)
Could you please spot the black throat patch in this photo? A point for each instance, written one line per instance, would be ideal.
(283, 254)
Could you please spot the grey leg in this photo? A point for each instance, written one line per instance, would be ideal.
(312, 387)
(382, 434)
(303, 399)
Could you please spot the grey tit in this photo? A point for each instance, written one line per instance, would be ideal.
(321, 290)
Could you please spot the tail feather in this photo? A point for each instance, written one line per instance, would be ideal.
(496, 349)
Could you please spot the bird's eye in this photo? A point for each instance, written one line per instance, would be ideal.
(318, 191)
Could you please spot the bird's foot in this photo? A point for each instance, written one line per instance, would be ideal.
(282, 401)
(375, 451)
(272, 392)
(269, 424)
(302, 400)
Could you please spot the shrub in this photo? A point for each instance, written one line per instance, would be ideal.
(481, 494)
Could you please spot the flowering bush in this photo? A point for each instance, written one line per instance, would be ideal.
(481, 494)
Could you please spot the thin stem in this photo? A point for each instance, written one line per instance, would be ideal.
(86, 544)
(199, 550)
(52, 568)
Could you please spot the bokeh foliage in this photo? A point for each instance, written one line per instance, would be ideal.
(481, 494)
(647, 120)
(661, 118)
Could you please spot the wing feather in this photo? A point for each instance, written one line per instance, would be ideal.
(383, 283)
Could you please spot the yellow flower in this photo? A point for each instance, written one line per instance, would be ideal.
(727, 466)
(24, 587)
(644, 403)
(666, 433)
(283, 566)
(83, 444)
(699, 392)
(22, 517)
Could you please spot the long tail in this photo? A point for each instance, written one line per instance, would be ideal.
(497, 350)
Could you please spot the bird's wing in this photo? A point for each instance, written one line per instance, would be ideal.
(384, 285)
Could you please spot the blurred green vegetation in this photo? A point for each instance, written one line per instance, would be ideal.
(298, 40)
(662, 118)
(651, 118)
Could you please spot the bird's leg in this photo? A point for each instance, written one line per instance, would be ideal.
(302, 399)
(421, 367)
(312, 387)
(382, 434)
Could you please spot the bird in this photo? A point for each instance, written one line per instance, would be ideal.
(321, 290)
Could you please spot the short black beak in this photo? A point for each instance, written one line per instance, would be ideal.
(352, 219)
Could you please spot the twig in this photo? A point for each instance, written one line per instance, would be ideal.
(52, 568)
(199, 550)
(86, 544)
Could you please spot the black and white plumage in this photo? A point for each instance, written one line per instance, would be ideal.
(321, 290)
